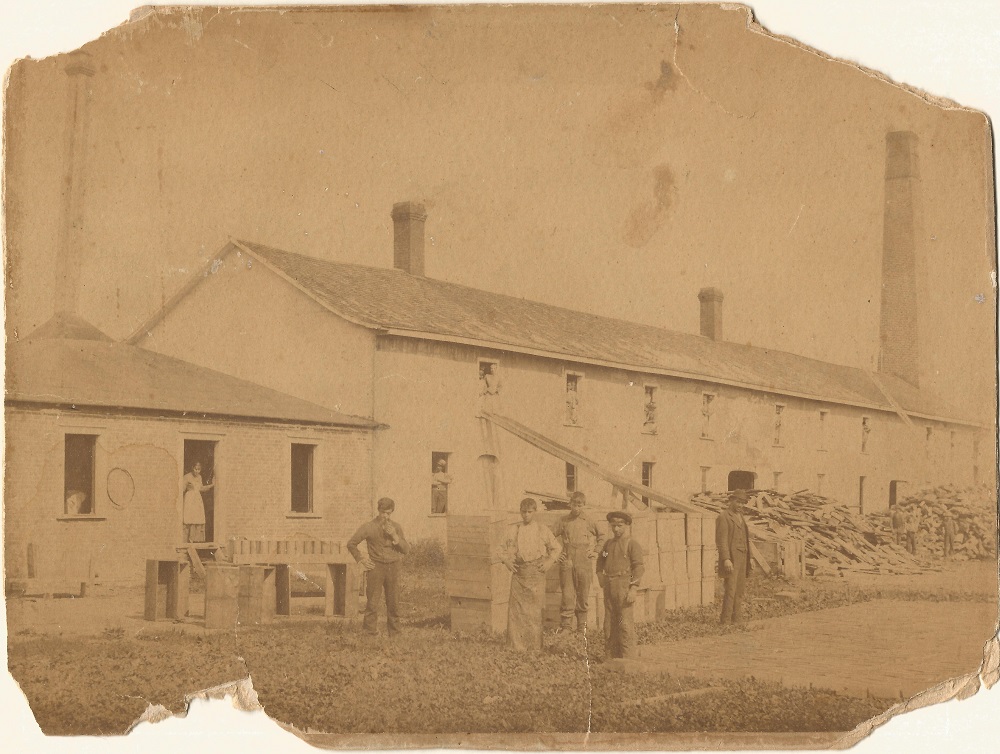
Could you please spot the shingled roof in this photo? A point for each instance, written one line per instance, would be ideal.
(411, 305)
(66, 364)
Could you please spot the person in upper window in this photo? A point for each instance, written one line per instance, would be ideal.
(439, 487)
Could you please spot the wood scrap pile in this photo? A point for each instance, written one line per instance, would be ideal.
(973, 509)
(836, 538)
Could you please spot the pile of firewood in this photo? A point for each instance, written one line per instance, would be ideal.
(836, 538)
(973, 509)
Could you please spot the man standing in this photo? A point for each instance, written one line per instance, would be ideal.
(912, 525)
(898, 521)
(619, 569)
(732, 537)
(581, 541)
(528, 552)
(386, 548)
(948, 524)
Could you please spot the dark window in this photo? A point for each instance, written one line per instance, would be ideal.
(570, 477)
(302, 478)
(78, 479)
(647, 478)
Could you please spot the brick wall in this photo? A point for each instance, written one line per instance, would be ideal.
(252, 494)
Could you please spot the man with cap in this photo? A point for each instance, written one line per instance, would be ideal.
(581, 541)
(619, 569)
(732, 537)
(386, 548)
(528, 552)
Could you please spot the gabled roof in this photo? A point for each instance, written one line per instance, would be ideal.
(96, 372)
(396, 302)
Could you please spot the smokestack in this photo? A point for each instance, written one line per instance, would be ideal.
(899, 352)
(68, 256)
(408, 237)
(711, 312)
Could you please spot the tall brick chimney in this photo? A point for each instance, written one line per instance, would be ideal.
(711, 312)
(408, 237)
(899, 352)
(71, 245)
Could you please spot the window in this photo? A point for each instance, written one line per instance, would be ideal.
(302, 478)
(570, 477)
(778, 409)
(819, 483)
(704, 478)
(928, 435)
(573, 383)
(706, 414)
(440, 481)
(822, 429)
(777, 481)
(78, 475)
(489, 379)
(647, 478)
(649, 410)
(866, 428)
(861, 495)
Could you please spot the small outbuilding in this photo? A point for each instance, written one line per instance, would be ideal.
(100, 435)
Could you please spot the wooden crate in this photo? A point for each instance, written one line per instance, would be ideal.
(682, 593)
(694, 592)
(692, 529)
(656, 603)
(670, 531)
(708, 529)
(709, 561)
(669, 597)
(707, 591)
(490, 582)
(471, 615)
(693, 556)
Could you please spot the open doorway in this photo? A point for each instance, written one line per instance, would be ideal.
(897, 489)
(742, 480)
(202, 452)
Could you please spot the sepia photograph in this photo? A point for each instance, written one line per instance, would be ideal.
(571, 377)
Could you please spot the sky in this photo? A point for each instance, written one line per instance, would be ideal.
(622, 197)
(615, 161)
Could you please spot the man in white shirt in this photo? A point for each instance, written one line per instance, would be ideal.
(529, 551)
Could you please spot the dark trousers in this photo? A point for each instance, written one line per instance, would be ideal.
(619, 631)
(576, 575)
(382, 576)
(735, 582)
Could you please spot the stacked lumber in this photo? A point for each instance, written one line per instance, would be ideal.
(835, 538)
(974, 510)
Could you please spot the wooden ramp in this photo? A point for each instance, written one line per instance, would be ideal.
(550, 446)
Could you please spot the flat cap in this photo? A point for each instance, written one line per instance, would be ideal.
(619, 516)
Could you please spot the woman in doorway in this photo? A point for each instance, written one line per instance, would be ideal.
(194, 505)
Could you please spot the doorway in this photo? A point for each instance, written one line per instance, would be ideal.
(897, 489)
(742, 480)
(203, 452)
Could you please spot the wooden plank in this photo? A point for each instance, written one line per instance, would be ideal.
(694, 561)
(761, 561)
(195, 560)
(150, 611)
(554, 448)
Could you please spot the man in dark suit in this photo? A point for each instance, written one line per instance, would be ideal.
(732, 537)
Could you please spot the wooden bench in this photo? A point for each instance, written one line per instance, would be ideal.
(342, 577)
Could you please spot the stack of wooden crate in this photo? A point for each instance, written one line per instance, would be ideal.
(680, 568)
(478, 584)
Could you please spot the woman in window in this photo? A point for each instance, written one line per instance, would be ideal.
(194, 505)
